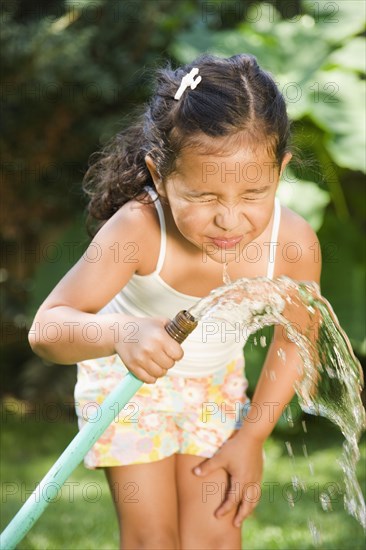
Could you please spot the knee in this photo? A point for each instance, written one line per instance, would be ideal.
(157, 543)
(164, 538)
(222, 541)
(226, 545)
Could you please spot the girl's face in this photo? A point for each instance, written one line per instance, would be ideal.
(222, 203)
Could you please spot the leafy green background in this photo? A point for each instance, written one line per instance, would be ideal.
(73, 71)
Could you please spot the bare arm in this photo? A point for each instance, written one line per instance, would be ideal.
(66, 335)
(68, 328)
(275, 388)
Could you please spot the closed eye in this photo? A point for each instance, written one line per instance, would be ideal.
(214, 199)
(252, 195)
(251, 198)
(258, 195)
(208, 199)
(203, 198)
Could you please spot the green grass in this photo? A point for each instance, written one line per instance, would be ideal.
(83, 516)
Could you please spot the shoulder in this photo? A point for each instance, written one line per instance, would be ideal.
(300, 247)
(138, 215)
(134, 233)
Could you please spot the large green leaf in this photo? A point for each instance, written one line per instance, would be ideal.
(337, 20)
(339, 111)
(190, 44)
(273, 42)
(351, 56)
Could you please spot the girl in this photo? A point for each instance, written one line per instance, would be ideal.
(188, 188)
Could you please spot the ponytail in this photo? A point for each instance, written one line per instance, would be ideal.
(116, 175)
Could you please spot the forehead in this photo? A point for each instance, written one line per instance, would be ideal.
(223, 151)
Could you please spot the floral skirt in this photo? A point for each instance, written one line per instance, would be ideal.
(175, 415)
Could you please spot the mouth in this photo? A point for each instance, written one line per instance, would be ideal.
(225, 242)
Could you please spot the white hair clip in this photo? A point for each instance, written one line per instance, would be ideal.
(188, 82)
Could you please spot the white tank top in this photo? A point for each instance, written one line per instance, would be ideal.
(211, 346)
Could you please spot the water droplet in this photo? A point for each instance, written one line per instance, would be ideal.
(225, 275)
(314, 532)
(272, 375)
(331, 373)
(298, 484)
(289, 418)
(263, 341)
(281, 353)
(325, 502)
(289, 449)
(300, 368)
(303, 424)
(290, 499)
(255, 341)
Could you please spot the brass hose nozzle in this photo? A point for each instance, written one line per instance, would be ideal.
(181, 326)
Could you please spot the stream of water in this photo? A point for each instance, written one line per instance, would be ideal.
(332, 376)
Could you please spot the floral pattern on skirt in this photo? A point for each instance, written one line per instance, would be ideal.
(175, 415)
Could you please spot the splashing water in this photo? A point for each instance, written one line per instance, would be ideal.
(332, 379)
(225, 275)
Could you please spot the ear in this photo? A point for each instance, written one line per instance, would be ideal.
(286, 160)
(158, 182)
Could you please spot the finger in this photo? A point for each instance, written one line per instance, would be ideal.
(155, 370)
(171, 346)
(232, 499)
(173, 349)
(144, 376)
(158, 370)
(163, 362)
(247, 506)
(207, 467)
(149, 380)
(244, 511)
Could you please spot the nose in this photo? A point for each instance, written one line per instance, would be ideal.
(228, 216)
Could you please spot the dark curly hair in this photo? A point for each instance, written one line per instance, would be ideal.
(235, 96)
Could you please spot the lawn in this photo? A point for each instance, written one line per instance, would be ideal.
(83, 516)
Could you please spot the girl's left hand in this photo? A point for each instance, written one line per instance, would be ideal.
(242, 459)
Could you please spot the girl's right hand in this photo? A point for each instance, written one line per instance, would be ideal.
(147, 350)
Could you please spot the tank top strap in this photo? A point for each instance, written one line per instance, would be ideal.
(274, 237)
(153, 194)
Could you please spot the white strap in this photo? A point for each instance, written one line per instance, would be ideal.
(274, 237)
(153, 194)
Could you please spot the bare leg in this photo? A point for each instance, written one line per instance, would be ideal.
(198, 499)
(145, 498)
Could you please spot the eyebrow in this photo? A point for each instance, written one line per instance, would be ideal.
(256, 190)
